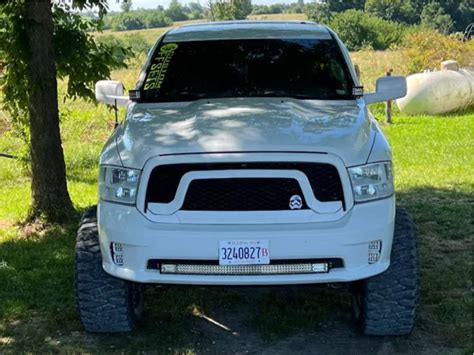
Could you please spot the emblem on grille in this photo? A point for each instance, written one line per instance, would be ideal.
(296, 202)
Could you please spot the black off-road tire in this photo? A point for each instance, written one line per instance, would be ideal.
(387, 303)
(104, 303)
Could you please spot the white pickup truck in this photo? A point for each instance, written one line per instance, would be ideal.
(248, 156)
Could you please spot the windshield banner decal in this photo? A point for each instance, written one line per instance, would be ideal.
(160, 66)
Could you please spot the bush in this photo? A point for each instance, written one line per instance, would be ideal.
(360, 30)
(426, 49)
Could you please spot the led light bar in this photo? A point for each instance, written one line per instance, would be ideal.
(277, 269)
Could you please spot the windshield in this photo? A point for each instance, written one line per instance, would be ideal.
(297, 68)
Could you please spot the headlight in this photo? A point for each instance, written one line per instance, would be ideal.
(118, 184)
(372, 181)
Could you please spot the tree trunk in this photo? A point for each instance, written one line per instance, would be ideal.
(50, 197)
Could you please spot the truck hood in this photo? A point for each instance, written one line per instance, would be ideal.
(245, 125)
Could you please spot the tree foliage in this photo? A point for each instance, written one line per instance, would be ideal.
(319, 12)
(393, 10)
(462, 14)
(136, 45)
(433, 16)
(126, 5)
(449, 15)
(73, 54)
(176, 11)
(359, 30)
(194, 11)
(153, 18)
(79, 57)
(340, 6)
(384, 22)
(223, 10)
(137, 20)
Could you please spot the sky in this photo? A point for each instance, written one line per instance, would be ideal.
(147, 4)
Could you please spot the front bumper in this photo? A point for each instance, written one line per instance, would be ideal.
(346, 238)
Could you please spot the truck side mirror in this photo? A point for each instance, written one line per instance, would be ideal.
(110, 92)
(387, 88)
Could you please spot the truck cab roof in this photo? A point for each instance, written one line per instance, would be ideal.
(247, 30)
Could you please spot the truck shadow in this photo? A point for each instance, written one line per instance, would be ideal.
(37, 301)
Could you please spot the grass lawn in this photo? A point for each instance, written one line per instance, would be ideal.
(435, 182)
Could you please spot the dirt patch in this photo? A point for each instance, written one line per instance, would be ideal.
(32, 229)
(224, 329)
(230, 331)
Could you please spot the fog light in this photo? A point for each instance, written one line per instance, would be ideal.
(374, 250)
(116, 250)
(375, 245)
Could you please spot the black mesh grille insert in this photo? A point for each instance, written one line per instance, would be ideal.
(241, 194)
(164, 180)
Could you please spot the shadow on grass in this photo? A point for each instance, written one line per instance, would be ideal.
(37, 308)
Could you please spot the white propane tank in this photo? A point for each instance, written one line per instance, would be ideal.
(434, 93)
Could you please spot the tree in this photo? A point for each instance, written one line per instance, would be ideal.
(175, 11)
(298, 7)
(194, 11)
(36, 40)
(47, 160)
(275, 8)
(318, 12)
(339, 6)
(464, 14)
(230, 9)
(461, 12)
(433, 16)
(393, 10)
(126, 5)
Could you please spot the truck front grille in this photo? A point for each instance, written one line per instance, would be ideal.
(243, 194)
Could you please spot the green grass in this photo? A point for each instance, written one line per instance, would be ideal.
(434, 180)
